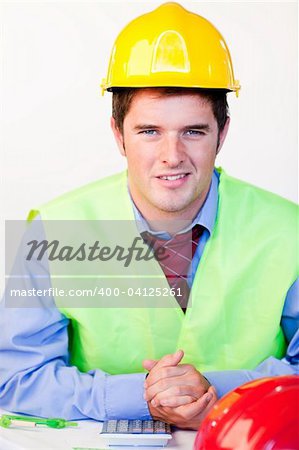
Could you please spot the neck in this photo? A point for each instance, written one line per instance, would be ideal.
(171, 226)
(170, 221)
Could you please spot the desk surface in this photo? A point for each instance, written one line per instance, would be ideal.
(85, 435)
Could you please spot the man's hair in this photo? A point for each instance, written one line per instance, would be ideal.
(122, 99)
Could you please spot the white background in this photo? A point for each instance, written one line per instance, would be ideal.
(55, 132)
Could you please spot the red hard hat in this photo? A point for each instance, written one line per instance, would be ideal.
(259, 415)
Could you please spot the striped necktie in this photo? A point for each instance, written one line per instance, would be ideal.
(177, 257)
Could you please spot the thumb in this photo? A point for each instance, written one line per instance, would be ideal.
(203, 404)
(172, 359)
(148, 364)
(175, 358)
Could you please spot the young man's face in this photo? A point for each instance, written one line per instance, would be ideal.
(170, 143)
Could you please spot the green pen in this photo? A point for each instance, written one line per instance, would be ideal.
(6, 420)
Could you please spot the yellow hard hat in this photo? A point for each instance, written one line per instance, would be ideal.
(170, 46)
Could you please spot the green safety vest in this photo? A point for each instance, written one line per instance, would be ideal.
(238, 292)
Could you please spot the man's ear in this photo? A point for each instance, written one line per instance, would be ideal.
(118, 136)
(223, 134)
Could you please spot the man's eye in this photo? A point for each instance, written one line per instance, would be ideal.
(194, 132)
(148, 132)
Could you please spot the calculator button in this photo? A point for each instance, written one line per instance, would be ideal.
(159, 426)
(110, 426)
(135, 426)
(123, 426)
(167, 428)
(148, 426)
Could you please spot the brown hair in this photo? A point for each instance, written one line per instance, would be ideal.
(122, 99)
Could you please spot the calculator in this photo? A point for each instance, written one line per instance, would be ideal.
(145, 433)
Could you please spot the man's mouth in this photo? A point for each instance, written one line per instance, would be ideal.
(173, 177)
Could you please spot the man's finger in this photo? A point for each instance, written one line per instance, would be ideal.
(198, 407)
(172, 359)
(148, 364)
(174, 402)
(173, 384)
(176, 396)
(165, 372)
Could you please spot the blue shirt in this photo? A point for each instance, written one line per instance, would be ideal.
(35, 377)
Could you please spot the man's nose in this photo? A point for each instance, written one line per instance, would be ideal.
(172, 151)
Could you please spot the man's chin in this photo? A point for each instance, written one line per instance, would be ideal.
(172, 206)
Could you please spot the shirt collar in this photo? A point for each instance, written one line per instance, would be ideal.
(205, 217)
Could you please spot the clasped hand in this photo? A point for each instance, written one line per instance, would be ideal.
(177, 393)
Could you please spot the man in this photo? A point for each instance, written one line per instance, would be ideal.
(170, 120)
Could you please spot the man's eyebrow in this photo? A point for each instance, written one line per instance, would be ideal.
(145, 126)
(198, 126)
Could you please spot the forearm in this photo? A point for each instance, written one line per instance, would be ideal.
(35, 377)
(225, 381)
(55, 389)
